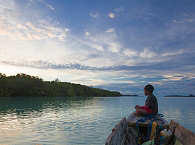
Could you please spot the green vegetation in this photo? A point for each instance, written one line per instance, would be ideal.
(191, 95)
(26, 85)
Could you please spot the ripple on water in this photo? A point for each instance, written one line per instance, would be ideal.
(76, 122)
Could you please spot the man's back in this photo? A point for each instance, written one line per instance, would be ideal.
(152, 103)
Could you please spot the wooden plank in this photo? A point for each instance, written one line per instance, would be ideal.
(123, 140)
(185, 136)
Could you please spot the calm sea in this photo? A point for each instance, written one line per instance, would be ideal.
(58, 121)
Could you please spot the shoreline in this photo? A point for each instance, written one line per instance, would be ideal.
(179, 96)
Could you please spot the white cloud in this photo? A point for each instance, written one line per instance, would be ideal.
(29, 31)
(109, 41)
(46, 4)
(130, 52)
(147, 53)
(88, 43)
(184, 20)
(173, 53)
(174, 77)
(49, 6)
(94, 14)
(87, 34)
(110, 30)
(111, 15)
(13, 27)
(99, 47)
(43, 37)
(114, 47)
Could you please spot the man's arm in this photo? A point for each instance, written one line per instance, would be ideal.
(148, 102)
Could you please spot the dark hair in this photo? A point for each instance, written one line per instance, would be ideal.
(149, 88)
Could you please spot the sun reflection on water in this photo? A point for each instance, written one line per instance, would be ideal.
(86, 121)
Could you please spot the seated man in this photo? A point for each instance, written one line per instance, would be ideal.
(151, 104)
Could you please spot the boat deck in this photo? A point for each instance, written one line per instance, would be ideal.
(124, 133)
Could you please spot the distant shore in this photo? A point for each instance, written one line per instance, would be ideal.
(133, 95)
(180, 96)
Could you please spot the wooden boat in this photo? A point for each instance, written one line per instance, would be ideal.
(127, 132)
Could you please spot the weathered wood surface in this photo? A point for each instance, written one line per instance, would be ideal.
(131, 136)
(185, 136)
(124, 133)
(117, 137)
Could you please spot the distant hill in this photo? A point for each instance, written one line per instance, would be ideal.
(130, 95)
(26, 85)
(180, 96)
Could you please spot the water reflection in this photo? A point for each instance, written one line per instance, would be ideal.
(76, 121)
(43, 118)
(180, 109)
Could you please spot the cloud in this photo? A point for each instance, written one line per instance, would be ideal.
(181, 51)
(48, 65)
(147, 53)
(109, 41)
(46, 4)
(161, 88)
(185, 18)
(96, 50)
(88, 42)
(87, 33)
(29, 31)
(110, 30)
(111, 15)
(101, 41)
(11, 27)
(114, 47)
(174, 77)
(176, 64)
(130, 52)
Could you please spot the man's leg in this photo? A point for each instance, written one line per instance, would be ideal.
(140, 112)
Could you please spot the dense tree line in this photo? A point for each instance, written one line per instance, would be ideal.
(26, 85)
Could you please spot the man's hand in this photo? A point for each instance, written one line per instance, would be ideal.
(137, 106)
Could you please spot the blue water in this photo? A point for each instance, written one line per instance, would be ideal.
(59, 121)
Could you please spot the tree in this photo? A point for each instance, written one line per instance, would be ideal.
(26, 85)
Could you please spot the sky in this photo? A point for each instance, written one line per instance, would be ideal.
(119, 45)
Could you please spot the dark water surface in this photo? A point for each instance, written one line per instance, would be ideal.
(59, 121)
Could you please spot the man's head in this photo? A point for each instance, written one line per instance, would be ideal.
(148, 90)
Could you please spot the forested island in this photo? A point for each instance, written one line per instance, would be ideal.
(180, 96)
(25, 85)
(130, 95)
